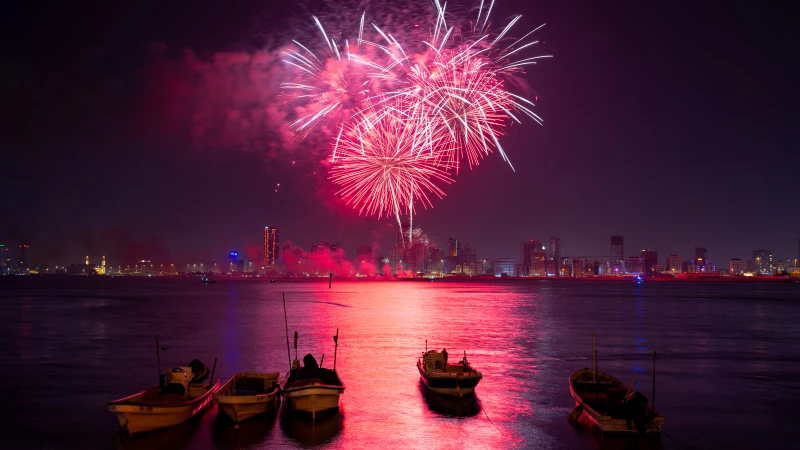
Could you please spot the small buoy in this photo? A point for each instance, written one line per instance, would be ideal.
(163, 347)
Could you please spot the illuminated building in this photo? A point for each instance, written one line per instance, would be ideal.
(526, 250)
(763, 261)
(4, 259)
(504, 267)
(736, 266)
(674, 264)
(538, 267)
(271, 246)
(634, 265)
(688, 267)
(466, 255)
(564, 267)
(233, 261)
(87, 260)
(700, 259)
(658, 268)
(617, 255)
(591, 268)
(780, 268)
(577, 268)
(650, 257)
(364, 254)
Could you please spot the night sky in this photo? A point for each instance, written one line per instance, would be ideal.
(670, 123)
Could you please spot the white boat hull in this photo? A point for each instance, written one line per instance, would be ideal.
(244, 411)
(313, 399)
(243, 407)
(136, 419)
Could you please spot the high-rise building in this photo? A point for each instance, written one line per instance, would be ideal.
(233, 261)
(577, 268)
(674, 264)
(554, 249)
(504, 267)
(87, 260)
(763, 261)
(453, 247)
(564, 267)
(4, 259)
(395, 258)
(617, 255)
(271, 246)
(650, 257)
(736, 266)
(526, 250)
(700, 258)
(688, 267)
(466, 255)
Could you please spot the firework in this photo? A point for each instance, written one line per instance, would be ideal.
(403, 117)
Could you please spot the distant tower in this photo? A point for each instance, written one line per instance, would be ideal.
(554, 251)
(271, 246)
(87, 260)
(23, 255)
(700, 258)
(617, 255)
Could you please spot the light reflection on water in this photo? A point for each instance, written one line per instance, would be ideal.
(76, 344)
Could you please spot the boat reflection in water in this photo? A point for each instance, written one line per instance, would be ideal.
(256, 431)
(466, 406)
(312, 432)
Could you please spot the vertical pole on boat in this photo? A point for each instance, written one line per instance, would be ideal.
(335, 349)
(295, 346)
(158, 358)
(330, 279)
(653, 405)
(286, 321)
(593, 368)
(213, 369)
(426, 346)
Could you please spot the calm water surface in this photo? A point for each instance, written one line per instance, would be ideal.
(728, 374)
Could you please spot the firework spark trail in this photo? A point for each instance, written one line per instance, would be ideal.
(403, 117)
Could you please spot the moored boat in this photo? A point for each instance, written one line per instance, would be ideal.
(608, 405)
(180, 396)
(247, 394)
(312, 389)
(445, 378)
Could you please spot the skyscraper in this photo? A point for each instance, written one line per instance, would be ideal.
(271, 246)
(650, 257)
(538, 267)
(577, 268)
(700, 258)
(23, 255)
(453, 243)
(617, 255)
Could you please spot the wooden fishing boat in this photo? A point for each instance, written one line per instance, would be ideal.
(247, 394)
(312, 389)
(180, 396)
(608, 405)
(444, 378)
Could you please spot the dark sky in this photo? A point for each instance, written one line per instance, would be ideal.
(670, 123)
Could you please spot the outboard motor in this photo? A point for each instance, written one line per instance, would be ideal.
(634, 408)
(309, 362)
(177, 381)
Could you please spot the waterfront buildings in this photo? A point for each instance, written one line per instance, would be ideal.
(736, 266)
(762, 262)
(634, 265)
(504, 267)
(700, 259)
(538, 264)
(526, 250)
(364, 254)
(577, 268)
(674, 264)
(650, 258)
(271, 246)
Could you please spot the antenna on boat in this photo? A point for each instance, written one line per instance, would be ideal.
(286, 321)
(295, 346)
(213, 369)
(335, 349)
(158, 358)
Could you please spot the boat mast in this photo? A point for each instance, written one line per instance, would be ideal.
(335, 349)
(286, 321)
(158, 358)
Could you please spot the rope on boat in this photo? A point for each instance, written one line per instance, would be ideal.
(676, 440)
